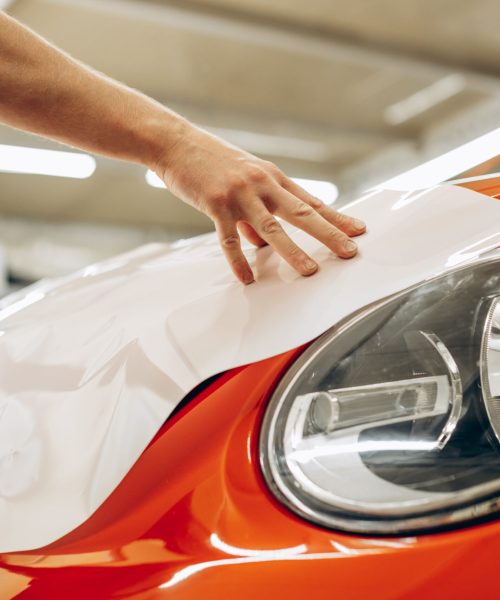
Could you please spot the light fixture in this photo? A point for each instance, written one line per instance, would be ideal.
(39, 161)
(324, 190)
(425, 99)
(448, 165)
(153, 180)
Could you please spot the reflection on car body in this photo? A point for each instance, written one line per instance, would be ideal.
(350, 416)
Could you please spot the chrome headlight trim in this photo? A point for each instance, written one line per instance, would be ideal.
(383, 522)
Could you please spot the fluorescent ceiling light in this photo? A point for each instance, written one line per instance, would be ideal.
(153, 180)
(447, 165)
(37, 161)
(424, 99)
(324, 190)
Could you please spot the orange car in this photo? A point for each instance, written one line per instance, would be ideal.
(343, 443)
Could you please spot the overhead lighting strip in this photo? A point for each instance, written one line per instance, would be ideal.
(39, 161)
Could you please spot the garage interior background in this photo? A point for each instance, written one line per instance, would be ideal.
(349, 92)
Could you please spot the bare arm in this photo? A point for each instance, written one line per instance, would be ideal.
(45, 91)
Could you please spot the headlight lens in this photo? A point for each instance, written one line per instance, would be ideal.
(390, 422)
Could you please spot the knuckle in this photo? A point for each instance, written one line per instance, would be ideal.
(316, 203)
(303, 210)
(273, 169)
(230, 241)
(341, 219)
(217, 201)
(270, 226)
(236, 185)
(256, 175)
(336, 237)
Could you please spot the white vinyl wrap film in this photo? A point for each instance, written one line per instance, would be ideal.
(91, 365)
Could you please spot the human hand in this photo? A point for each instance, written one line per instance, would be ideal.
(242, 194)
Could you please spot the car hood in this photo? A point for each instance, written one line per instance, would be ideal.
(93, 364)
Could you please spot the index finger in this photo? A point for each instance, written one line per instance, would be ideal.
(349, 225)
(303, 216)
(268, 228)
(231, 246)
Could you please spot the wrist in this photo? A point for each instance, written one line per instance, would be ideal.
(156, 132)
(166, 134)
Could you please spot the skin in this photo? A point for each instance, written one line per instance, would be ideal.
(45, 91)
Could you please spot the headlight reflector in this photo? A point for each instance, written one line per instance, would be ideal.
(390, 422)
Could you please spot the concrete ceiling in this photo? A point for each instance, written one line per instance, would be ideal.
(457, 33)
(322, 88)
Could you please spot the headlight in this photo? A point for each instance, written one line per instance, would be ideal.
(390, 422)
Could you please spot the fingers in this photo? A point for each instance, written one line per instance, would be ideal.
(230, 244)
(251, 235)
(304, 216)
(268, 228)
(348, 225)
(250, 210)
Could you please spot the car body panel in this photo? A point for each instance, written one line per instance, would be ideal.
(194, 519)
(93, 365)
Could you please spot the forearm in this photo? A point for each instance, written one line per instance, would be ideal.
(47, 92)
(44, 91)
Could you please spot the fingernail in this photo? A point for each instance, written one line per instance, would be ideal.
(358, 224)
(310, 265)
(350, 246)
(248, 278)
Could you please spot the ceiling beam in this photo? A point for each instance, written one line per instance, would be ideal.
(275, 33)
(396, 158)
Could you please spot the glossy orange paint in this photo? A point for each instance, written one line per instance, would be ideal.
(194, 519)
(489, 187)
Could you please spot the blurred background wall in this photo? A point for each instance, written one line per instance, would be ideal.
(344, 91)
